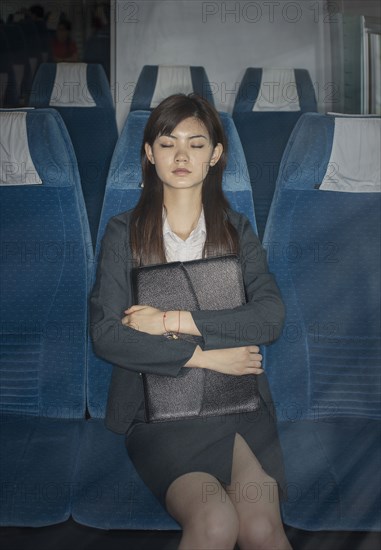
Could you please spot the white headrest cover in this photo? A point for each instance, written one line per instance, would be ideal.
(70, 86)
(354, 164)
(174, 79)
(278, 91)
(16, 166)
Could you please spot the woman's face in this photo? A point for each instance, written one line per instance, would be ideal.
(182, 159)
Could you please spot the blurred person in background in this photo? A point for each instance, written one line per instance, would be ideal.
(64, 47)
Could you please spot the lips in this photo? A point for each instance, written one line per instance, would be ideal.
(181, 172)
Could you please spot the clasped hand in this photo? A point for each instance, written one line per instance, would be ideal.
(144, 318)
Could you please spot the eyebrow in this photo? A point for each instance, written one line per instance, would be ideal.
(191, 137)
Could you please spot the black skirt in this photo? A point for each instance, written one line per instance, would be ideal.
(163, 451)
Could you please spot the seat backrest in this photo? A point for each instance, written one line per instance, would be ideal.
(268, 104)
(81, 94)
(323, 244)
(122, 193)
(156, 82)
(46, 257)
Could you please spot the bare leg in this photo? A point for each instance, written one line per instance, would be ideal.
(254, 494)
(208, 518)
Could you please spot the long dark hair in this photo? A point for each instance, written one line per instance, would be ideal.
(221, 236)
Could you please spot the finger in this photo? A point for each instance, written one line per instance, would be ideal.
(134, 308)
(255, 357)
(253, 349)
(257, 368)
(254, 370)
(126, 321)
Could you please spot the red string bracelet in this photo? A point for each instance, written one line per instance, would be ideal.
(168, 333)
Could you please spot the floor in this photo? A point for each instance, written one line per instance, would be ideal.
(72, 536)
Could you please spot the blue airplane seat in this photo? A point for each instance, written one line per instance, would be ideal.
(156, 82)
(268, 104)
(124, 502)
(323, 244)
(81, 94)
(45, 282)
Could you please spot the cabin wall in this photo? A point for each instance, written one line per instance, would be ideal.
(225, 38)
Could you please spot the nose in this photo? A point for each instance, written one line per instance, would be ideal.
(181, 155)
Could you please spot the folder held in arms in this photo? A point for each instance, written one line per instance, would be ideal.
(213, 283)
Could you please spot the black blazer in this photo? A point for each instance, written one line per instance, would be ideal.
(132, 352)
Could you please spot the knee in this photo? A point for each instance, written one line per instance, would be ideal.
(219, 528)
(258, 532)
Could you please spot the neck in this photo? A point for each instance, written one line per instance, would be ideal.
(183, 210)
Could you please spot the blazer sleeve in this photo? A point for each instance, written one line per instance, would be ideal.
(261, 319)
(110, 296)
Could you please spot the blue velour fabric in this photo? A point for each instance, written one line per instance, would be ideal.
(38, 463)
(145, 86)
(45, 262)
(264, 135)
(323, 371)
(103, 457)
(333, 474)
(113, 496)
(92, 130)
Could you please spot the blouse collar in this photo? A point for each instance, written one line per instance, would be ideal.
(197, 231)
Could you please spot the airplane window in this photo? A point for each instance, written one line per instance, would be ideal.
(371, 66)
(356, 63)
(47, 31)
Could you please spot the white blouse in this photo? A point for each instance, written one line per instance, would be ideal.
(176, 249)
